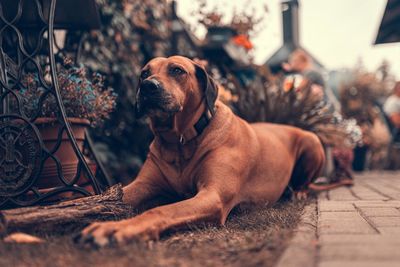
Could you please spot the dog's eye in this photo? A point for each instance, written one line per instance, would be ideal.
(177, 71)
(145, 74)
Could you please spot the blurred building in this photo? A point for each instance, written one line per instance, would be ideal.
(291, 40)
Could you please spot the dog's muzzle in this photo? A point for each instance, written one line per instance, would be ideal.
(150, 88)
(152, 96)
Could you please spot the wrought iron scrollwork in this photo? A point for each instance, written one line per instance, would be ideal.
(21, 148)
(27, 45)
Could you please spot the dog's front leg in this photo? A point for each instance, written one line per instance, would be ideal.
(206, 206)
(148, 184)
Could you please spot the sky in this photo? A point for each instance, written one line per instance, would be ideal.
(337, 32)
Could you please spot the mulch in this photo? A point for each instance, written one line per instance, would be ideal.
(254, 236)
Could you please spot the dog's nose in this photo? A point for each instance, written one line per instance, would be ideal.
(150, 86)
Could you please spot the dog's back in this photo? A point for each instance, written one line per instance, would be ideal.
(270, 156)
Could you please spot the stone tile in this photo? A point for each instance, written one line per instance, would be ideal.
(367, 211)
(390, 230)
(377, 204)
(359, 252)
(335, 206)
(384, 189)
(347, 239)
(392, 182)
(358, 264)
(323, 196)
(295, 256)
(365, 193)
(338, 215)
(369, 196)
(395, 203)
(396, 196)
(343, 223)
(341, 194)
(385, 221)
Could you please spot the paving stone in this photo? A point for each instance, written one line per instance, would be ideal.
(329, 239)
(396, 196)
(327, 205)
(359, 252)
(369, 212)
(384, 190)
(358, 264)
(323, 196)
(365, 193)
(341, 194)
(297, 256)
(339, 215)
(361, 226)
(377, 204)
(392, 231)
(343, 223)
(392, 182)
(385, 221)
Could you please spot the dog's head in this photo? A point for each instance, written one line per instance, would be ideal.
(169, 86)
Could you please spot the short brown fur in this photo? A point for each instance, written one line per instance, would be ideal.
(231, 162)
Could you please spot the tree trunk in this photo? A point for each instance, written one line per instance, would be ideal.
(67, 215)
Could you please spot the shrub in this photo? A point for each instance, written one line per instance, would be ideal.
(83, 97)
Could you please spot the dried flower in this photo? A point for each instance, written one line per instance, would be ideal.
(246, 22)
(82, 97)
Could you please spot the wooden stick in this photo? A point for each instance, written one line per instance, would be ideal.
(64, 215)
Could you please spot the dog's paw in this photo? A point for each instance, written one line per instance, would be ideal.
(102, 234)
(97, 234)
(301, 195)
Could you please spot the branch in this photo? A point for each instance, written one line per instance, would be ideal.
(66, 215)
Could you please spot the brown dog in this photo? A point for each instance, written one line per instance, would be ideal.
(203, 153)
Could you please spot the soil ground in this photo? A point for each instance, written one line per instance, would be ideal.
(251, 237)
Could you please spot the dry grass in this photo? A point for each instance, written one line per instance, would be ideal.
(251, 237)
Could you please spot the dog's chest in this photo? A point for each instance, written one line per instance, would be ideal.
(179, 167)
(181, 181)
(180, 176)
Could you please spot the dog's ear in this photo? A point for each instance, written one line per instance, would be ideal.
(208, 85)
(138, 106)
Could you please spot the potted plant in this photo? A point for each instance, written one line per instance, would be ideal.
(87, 103)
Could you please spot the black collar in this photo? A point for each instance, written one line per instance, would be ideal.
(203, 122)
(199, 126)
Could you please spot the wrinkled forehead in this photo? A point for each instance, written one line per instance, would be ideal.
(160, 64)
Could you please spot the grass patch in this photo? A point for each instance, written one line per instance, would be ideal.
(251, 237)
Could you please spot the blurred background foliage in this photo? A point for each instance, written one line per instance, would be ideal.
(362, 97)
(133, 32)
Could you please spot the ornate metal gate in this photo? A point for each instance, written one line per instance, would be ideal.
(28, 45)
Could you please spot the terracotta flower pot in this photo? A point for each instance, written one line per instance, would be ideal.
(49, 129)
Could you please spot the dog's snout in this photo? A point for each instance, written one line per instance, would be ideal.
(150, 86)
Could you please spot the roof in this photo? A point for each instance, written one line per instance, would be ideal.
(69, 14)
(274, 63)
(389, 30)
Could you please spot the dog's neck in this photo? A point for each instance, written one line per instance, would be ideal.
(183, 131)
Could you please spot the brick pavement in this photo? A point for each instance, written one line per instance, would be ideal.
(360, 225)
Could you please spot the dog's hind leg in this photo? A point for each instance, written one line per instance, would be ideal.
(308, 166)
